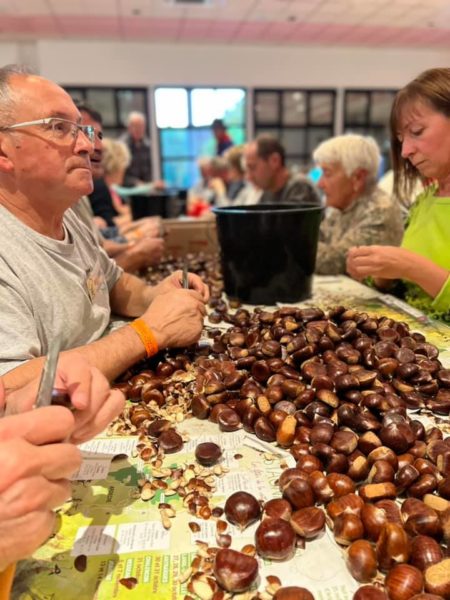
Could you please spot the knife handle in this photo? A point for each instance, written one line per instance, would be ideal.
(6, 581)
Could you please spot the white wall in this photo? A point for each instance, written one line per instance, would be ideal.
(109, 63)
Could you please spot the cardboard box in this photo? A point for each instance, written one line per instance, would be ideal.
(185, 236)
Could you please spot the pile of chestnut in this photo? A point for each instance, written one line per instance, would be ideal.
(335, 388)
(339, 389)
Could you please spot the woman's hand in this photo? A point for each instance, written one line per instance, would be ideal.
(385, 262)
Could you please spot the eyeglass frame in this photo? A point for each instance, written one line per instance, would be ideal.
(87, 130)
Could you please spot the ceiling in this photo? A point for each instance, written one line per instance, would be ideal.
(387, 23)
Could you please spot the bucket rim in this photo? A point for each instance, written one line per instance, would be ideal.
(266, 208)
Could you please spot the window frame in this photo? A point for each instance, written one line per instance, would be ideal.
(190, 127)
(304, 158)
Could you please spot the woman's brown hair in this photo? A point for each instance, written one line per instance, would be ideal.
(431, 87)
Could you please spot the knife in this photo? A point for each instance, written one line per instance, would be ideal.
(44, 395)
(185, 279)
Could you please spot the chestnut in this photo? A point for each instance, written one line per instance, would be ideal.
(361, 561)
(228, 420)
(425, 551)
(279, 508)
(235, 571)
(242, 509)
(275, 539)
(403, 581)
(293, 593)
(370, 592)
(170, 441)
(392, 546)
(208, 453)
(308, 522)
(299, 493)
(347, 528)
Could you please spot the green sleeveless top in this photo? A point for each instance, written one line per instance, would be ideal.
(428, 234)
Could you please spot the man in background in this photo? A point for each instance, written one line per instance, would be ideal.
(222, 138)
(140, 168)
(265, 164)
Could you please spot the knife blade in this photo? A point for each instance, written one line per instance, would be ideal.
(44, 395)
(185, 279)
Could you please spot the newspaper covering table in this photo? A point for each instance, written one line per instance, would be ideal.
(119, 535)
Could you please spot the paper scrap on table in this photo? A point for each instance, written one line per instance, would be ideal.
(125, 538)
(110, 446)
(92, 468)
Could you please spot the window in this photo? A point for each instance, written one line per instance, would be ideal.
(367, 112)
(114, 104)
(301, 119)
(184, 117)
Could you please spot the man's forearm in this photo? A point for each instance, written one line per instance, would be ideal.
(112, 355)
(130, 297)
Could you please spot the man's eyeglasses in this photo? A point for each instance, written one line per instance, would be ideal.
(61, 129)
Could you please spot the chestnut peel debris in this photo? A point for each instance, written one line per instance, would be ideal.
(235, 571)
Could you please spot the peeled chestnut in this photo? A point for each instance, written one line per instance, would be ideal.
(242, 509)
(235, 571)
(361, 561)
(293, 593)
(275, 539)
(403, 581)
(208, 453)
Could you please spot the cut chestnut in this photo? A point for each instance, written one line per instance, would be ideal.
(208, 453)
(242, 509)
(275, 539)
(235, 571)
(308, 522)
(370, 592)
(437, 579)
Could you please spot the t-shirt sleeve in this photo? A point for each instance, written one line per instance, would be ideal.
(19, 336)
(110, 268)
(442, 301)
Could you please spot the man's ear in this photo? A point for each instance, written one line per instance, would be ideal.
(275, 160)
(359, 180)
(6, 164)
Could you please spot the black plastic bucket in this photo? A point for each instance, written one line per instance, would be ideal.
(268, 251)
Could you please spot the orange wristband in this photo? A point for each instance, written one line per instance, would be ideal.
(146, 335)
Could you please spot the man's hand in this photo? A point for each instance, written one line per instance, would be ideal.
(35, 472)
(95, 403)
(176, 317)
(174, 281)
(141, 254)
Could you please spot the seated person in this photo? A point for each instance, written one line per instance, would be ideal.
(265, 166)
(135, 253)
(358, 212)
(56, 281)
(420, 146)
(37, 463)
(233, 189)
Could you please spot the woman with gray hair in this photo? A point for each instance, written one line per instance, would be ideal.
(358, 212)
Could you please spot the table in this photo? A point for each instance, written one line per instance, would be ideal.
(108, 536)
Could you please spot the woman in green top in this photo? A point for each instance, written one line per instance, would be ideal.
(420, 143)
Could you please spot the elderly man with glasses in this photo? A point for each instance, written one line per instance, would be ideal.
(56, 281)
